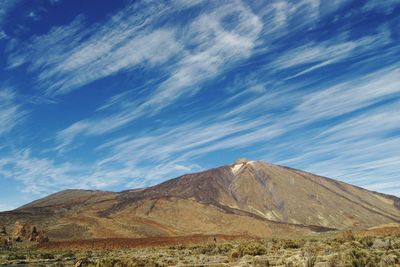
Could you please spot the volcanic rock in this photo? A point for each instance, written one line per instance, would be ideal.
(26, 231)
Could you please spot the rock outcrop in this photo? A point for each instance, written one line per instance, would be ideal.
(26, 231)
(41, 237)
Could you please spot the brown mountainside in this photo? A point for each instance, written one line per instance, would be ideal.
(247, 197)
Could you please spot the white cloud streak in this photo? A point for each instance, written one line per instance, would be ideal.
(190, 140)
(74, 55)
(213, 49)
(318, 55)
(41, 176)
(361, 150)
(11, 112)
(5, 8)
(352, 95)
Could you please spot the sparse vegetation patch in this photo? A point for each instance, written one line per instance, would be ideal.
(345, 250)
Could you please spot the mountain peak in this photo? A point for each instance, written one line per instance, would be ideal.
(252, 197)
(238, 164)
(241, 161)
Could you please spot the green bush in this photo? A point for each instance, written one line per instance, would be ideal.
(135, 262)
(310, 253)
(252, 249)
(47, 256)
(208, 249)
(16, 257)
(361, 258)
(367, 242)
(260, 262)
(292, 244)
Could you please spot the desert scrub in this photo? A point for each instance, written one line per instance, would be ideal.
(235, 254)
(224, 248)
(345, 236)
(280, 252)
(178, 247)
(361, 258)
(16, 256)
(309, 253)
(292, 244)
(47, 256)
(135, 262)
(292, 261)
(260, 262)
(252, 248)
(388, 260)
(67, 256)
(335, 260)
(208, 249)
(367, 241)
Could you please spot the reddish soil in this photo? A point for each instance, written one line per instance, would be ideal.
(382, 231)
(125, 243)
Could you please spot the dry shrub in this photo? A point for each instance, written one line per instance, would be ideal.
(362, 258)
(235, 254)
(208, 249)
(251, 248)
(336, 260)
(345, 236)
(310, 252)
(387, 260)
(135, 262)
(367, 241)
(292, 244)
(293, 261)
(260, 262)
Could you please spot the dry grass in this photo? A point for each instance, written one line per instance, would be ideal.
(129, 243)
(345, 249)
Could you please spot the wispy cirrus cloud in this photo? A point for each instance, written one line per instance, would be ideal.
(361, 149)
(286, 17)
(369, 124)
(294, 83)
(304, 108)
(323, 147)
(215, 48)
(11, 112)
(339, 99)
(135, 162)
(318, 55)
(147, 159)
(74, 55)
(41, 175)
(5, 7)
(381, 6)
(323, 103)
(190, 140)
(37, 174)
(212, 50)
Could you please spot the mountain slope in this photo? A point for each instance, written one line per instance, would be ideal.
(279, 194)
(247, 197)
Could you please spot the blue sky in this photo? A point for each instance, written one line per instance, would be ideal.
(124, 94)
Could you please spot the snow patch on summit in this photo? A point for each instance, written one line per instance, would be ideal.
(235, 168)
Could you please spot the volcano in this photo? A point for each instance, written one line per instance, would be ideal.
(247, 197)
